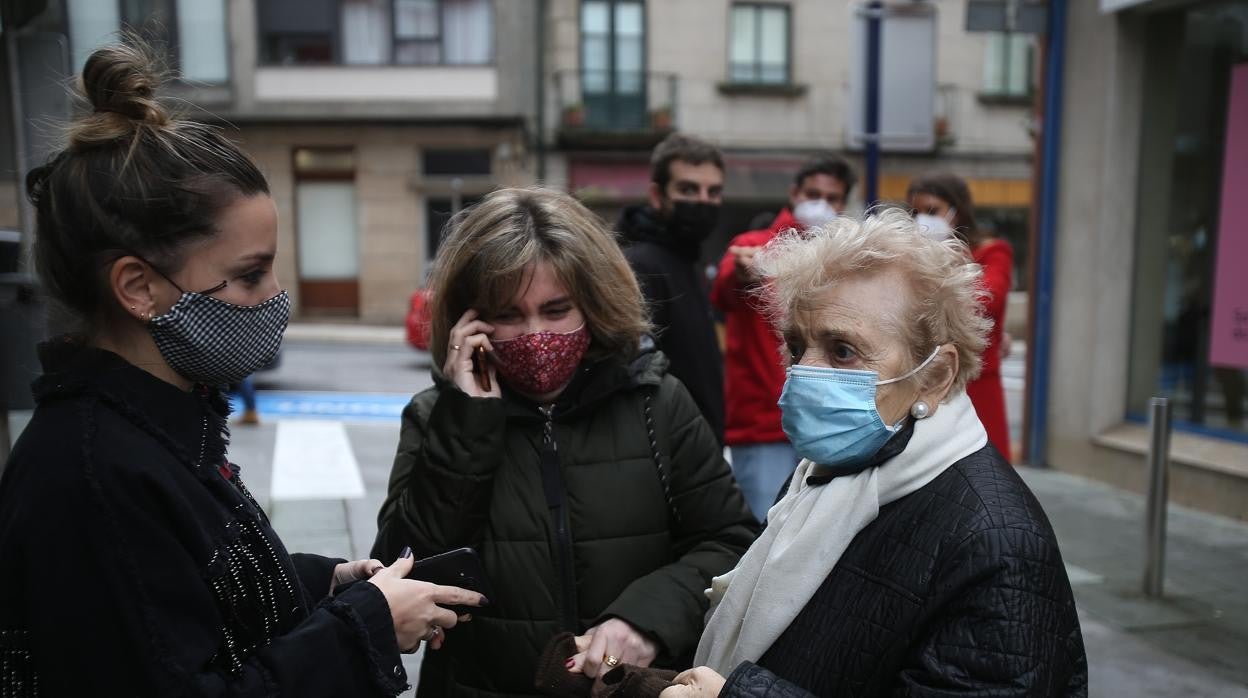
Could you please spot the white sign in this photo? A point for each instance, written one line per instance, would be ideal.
(907, 78)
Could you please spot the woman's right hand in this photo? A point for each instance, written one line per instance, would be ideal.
(466, 336)
(414, 605)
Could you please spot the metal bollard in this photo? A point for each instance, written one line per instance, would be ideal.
(1158, 493)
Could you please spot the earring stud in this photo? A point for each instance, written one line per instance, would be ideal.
(920, 410)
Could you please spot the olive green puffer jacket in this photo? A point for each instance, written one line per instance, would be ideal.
(469, 473)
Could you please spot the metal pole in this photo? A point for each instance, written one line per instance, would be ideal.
(1039, 339)
(875, 12)
(1158, 491)
(540, 94)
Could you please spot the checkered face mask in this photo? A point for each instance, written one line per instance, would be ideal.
(213, 342)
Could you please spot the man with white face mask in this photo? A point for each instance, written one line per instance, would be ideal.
(762, 458)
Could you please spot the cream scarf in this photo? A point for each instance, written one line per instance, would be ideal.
(810, 528)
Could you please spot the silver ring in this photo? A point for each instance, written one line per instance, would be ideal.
(433, 633)
(454, 347)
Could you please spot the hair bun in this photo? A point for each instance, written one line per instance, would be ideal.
(120, 80)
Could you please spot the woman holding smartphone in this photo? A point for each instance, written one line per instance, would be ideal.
(555, 443)
(135, 560)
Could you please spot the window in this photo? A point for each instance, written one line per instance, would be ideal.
(1182, 342)
(194, 31)
(447, 162)
(377, 32)
(438, 212)
(759, 44)
(1008, 65)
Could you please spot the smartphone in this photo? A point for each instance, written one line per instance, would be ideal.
(480, 369)
(456, 568)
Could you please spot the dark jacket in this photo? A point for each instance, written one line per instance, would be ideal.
(675, 290)
(957, 589)
(469, 472)
(136, 563)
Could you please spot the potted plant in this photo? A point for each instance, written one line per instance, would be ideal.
(661, 119)
(574, 115)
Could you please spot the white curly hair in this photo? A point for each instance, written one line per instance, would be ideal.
(945, 294)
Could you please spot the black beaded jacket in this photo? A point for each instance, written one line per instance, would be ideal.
(136, 562)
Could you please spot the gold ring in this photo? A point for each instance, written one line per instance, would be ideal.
(610, 660)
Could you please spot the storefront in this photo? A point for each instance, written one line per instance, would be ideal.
(1191, 220)
(1150, 294)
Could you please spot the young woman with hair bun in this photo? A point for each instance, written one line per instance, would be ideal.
(135, 560)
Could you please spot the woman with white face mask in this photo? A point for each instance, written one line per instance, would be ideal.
(906, 556)
(943, 209)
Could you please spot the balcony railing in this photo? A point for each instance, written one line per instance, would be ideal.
(599, 107)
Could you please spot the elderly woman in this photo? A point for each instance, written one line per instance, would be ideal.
(907, 557)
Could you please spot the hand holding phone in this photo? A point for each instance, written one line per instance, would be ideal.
(467, 361)
(456, 568)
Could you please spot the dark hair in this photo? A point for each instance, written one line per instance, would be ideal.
(132, 179)
(952, 190)
(831, 166)
(679, 146)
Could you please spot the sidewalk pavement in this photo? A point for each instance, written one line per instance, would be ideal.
(1191, 642)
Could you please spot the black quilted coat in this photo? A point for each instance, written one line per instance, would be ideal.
(469, 471)
(955, 590)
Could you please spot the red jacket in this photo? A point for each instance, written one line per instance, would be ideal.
(996, 259)
(753, 365)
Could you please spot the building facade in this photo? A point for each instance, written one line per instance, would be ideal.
(375, 119)
(372, 119)
(1151, 238)
(771, 83)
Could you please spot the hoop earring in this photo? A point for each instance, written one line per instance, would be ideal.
(920, 410)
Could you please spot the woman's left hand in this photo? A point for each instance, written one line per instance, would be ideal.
(611, 638)
(702, 682)
(347, 572)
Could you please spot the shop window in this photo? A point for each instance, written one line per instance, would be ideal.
(193, 31)
(377, 32)
(1180, 334)
(759, 44)
(1008, 66)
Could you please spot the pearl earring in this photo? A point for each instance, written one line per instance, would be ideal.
(919, 410)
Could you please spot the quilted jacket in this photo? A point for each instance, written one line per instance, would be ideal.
(469, 472)
(955, 590)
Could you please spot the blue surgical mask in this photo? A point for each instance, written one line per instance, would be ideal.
(829, 414)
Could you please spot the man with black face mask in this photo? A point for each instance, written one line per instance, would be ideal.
(663, 240)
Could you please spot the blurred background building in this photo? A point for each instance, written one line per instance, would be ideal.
(1151, 241)
(374, 119)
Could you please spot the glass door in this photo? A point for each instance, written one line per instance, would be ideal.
(613, 63)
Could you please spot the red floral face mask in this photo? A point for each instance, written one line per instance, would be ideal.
(539, 363)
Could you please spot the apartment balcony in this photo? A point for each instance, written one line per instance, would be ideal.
(601, 109)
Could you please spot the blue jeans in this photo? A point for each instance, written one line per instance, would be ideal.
(247, 390)
(761, 470)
